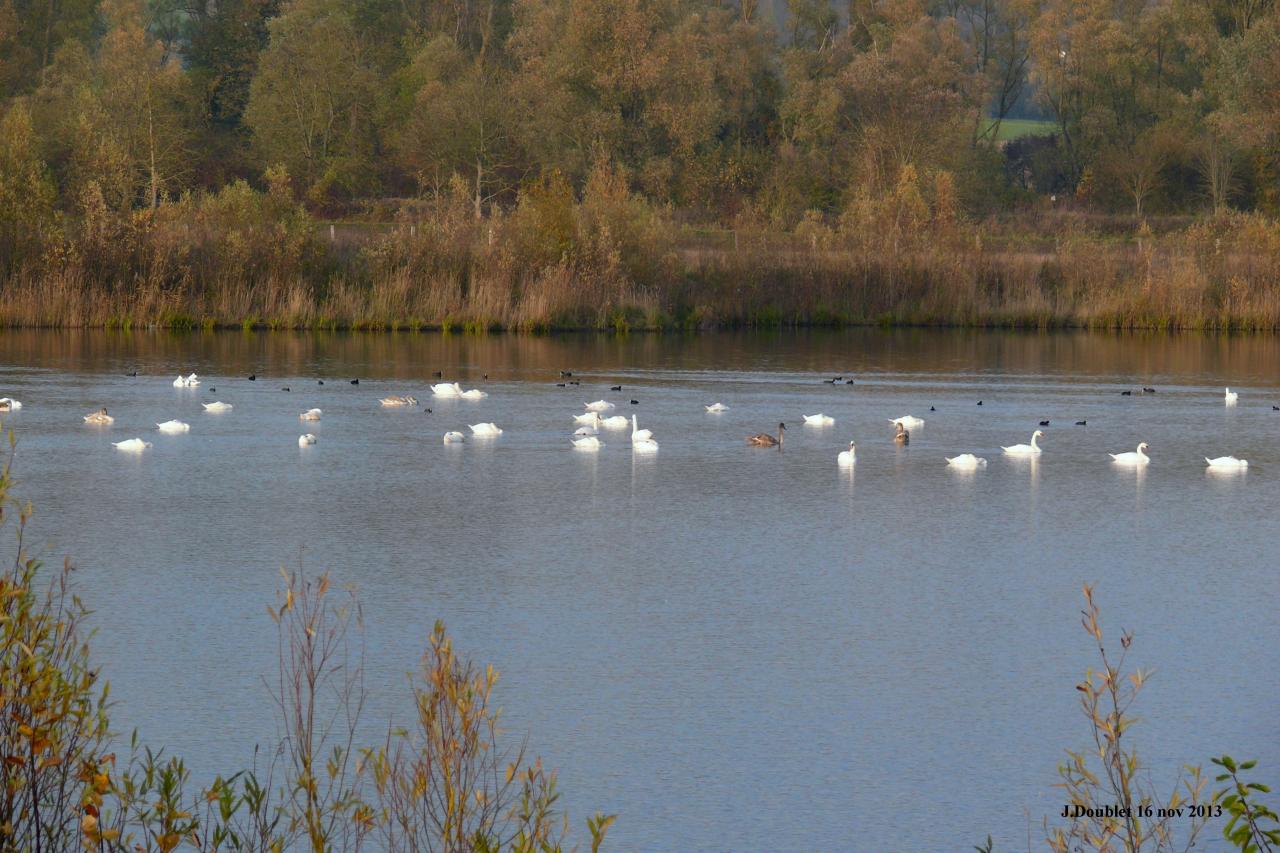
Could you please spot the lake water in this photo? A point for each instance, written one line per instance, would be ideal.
(731, 648)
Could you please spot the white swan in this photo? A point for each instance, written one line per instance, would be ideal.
(966, 460)
(638, 434)
(585, 431)
(587, 442)
(590, 419)
(1031, 449)
(1227, 462)
(172, 427)
(615, 422)
(186, 381)
(599, 406)
(473, 394)
(485, 429)
(8, 404)
(390, 402)
(644, 445)
(215, 408)
(1137, 457)
(716, 408)
(846, 458)
(310, 415)
(99, 418)
(454, 437)
(818, 420)
(304, 440)
(908, 422)
(133, 445)
(1231, 397)
(447, 389)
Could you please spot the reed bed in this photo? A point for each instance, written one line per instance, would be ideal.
(243, 259)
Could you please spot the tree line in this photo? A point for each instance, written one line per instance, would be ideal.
(714, 109)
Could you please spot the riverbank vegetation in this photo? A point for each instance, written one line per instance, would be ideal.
(639, 164)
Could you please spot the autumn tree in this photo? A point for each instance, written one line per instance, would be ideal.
(118, 115)
(657, 85)
(997, 34)
(1246, 84)
(894, 90)
(224, 41)
(450, 112)
(31, 32)
(1111, 74)
(26, 191)
(310, 105)
(141, 93)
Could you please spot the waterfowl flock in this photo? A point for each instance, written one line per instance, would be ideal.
(590, 422)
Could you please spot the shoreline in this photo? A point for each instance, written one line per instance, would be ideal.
(467, 330)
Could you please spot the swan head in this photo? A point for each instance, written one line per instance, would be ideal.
(1038, 434)
(1143, 446)
(781, 427)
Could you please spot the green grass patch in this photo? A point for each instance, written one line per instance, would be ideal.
(1016, 128)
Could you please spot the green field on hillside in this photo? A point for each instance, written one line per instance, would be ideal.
(1016, 128)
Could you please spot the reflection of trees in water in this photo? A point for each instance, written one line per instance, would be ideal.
(342, 355)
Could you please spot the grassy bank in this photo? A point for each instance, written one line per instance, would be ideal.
(607, 261)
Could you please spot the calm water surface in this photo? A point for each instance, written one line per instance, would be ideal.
(734, 649)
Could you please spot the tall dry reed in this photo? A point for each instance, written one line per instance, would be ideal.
(607, 261)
